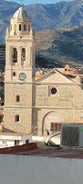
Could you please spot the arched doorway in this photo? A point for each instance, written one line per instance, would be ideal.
(51, 123)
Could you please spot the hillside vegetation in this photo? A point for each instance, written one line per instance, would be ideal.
(55, 48)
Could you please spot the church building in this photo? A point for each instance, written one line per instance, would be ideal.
(37, 101)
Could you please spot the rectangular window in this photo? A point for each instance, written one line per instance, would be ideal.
(16, 142)
(55, 126)
(14, 73)
(16, 118)
(17, 98)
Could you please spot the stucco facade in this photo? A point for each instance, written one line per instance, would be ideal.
(37, 102)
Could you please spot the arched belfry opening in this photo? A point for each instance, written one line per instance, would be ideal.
(14, 55)
(23, 56)
(20, 27)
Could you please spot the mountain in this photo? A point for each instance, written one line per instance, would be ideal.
(56, 48)
(59, 32)
(6, 11)
(54, 16)
(49, 16)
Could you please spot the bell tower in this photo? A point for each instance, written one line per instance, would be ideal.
(20, 63)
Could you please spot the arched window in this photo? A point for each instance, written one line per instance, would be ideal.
(14, 55)
(23, 54)
(29, 28)
(25, 27)
(19, 27)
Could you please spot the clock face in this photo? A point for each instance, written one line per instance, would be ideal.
(22, 76)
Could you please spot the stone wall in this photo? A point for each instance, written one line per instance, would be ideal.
(66, 104)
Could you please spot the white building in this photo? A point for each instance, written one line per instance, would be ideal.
(12, 139)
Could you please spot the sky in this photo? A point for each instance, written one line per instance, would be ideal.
(26, 2)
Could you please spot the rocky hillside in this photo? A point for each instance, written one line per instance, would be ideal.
(55, 48)
(53, 16)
